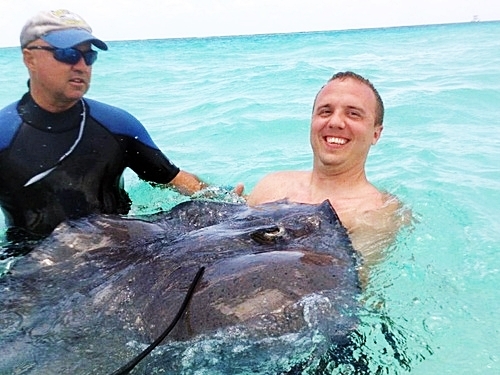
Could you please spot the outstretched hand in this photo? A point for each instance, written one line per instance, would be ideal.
(238, 190)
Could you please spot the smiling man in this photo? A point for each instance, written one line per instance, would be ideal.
(62, 155)
(347, 119)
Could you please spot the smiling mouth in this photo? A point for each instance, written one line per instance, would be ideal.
(77, 81)
(336, 140)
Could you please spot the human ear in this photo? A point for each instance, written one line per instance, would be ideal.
(29, 59)
(377, 133)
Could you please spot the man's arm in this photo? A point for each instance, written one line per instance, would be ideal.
(187, 183)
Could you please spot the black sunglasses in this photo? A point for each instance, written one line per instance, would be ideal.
(69, 55)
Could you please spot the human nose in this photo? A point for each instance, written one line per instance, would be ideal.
(336, 120)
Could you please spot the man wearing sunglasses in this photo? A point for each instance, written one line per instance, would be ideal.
(62, 156)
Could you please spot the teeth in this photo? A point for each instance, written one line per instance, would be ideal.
(335, 140)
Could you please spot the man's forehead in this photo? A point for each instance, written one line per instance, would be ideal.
(346, 82)
(346, 87)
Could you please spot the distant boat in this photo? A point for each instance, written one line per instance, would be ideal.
(475, 18)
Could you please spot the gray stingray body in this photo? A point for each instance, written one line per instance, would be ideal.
(280, 284)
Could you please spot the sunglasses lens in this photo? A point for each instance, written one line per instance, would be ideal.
(67, 55)
(72, 56)
(90, 57)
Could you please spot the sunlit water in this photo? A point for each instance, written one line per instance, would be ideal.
(235, 108)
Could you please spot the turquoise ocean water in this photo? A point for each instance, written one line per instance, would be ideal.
(231, 109)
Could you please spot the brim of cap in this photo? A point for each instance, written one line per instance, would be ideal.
(68, 38)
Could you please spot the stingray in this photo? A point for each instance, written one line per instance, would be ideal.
(278, 288)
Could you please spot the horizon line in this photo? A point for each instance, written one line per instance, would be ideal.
(473, 21)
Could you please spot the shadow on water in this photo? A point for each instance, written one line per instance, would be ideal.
(379, 346)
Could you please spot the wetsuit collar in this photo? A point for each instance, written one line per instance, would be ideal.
(43, 174)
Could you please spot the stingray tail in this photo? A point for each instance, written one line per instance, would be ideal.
(134, 362)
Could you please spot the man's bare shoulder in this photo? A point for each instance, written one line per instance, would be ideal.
(373, 230)
(276, 186)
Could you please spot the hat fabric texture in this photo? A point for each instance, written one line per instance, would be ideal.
(60, 28)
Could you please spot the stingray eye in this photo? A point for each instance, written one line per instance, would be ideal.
(268, 235)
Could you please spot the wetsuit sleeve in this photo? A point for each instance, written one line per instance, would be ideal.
(149, 163)
(142, 154)
(9, 124)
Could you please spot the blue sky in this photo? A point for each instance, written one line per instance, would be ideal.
(148, 19)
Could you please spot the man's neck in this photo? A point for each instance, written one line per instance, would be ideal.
(50, 104)
(338, 180)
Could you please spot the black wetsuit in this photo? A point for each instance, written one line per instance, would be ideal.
(89, 180)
